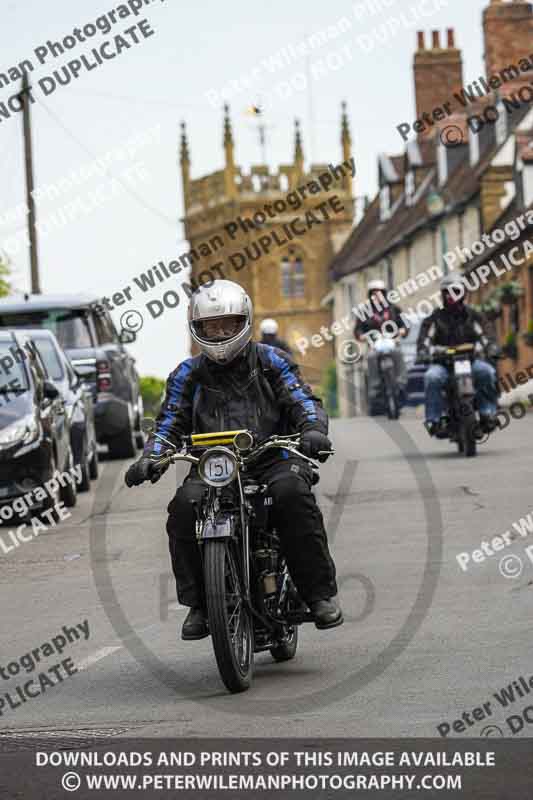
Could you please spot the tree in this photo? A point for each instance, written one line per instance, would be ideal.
(5, 286)
(152, 393)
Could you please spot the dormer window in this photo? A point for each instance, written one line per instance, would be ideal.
(442, 163)
(384, 203)
(473, 140)
(527, 177)
(409, 188)
(501, 123)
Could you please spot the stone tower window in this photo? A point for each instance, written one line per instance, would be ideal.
(292, 276)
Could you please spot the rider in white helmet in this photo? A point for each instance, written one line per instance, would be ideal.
(236, 383)
(269, 335)
(383, 317)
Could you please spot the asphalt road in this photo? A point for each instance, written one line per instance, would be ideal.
(423, 640)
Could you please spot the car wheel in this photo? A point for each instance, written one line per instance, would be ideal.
(50, 504)
(93, 464)
(69, 492)
(124, 445)
(85, 482)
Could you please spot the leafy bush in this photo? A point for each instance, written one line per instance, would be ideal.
(152, 391)
(328, 390)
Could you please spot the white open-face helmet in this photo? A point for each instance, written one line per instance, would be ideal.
(269, 327)
(376, 285)
(220, 320)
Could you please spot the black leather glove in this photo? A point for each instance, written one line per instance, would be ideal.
(312, 442)
(140, 471)
(494, 351)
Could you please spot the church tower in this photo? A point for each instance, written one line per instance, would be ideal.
(274, 234)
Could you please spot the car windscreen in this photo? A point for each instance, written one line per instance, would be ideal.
(70, 327)
(49, 355)
(13, 374)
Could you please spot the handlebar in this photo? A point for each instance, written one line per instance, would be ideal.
(290, 443)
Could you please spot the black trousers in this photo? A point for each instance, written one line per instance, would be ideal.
(295, 515)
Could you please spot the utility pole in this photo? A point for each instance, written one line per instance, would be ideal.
(28, 162)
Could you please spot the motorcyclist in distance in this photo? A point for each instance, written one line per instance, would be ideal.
(453, 324)
(233, 384)
(269, 335)
(381, 312)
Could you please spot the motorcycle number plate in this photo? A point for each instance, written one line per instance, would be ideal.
(387, 362)
(219, 468)
(462, 367)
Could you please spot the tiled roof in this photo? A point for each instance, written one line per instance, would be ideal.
(371, 240)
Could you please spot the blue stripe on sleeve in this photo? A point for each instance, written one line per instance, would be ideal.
(289, 379)
(175, 394)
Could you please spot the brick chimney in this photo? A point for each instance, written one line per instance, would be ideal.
(438, 72)
(508, 32)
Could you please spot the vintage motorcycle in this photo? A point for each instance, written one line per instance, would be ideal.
(461, 423)
(252, 603)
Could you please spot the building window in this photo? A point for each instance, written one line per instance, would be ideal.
(527, 177)
(473, 139)
(384, 203)
(442, 163)
(292, 276)
(501, 124)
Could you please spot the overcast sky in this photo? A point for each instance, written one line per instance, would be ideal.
(179, 73)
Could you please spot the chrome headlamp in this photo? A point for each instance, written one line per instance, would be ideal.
(217, 466)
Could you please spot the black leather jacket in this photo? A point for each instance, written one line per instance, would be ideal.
(450, 328)
(261, 390)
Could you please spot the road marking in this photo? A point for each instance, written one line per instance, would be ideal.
(92, 659)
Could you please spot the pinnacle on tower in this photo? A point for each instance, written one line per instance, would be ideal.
(184, 149)
(229, 169)
(298, 151)
(185, 164)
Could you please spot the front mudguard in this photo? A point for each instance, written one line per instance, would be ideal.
(222, 526)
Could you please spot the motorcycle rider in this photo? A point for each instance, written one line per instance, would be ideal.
(382, 312)
(453, 324)
(236, 383)
(269, 335)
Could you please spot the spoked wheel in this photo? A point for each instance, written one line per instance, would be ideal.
(229, 621)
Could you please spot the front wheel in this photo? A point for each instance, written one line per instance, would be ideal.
(393, 409)
(467, 434)
(229, 620)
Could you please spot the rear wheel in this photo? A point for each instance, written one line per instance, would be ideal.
(229, 620)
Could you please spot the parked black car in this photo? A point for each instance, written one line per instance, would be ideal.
(34, 430)
(85, 331)
(79, 403)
